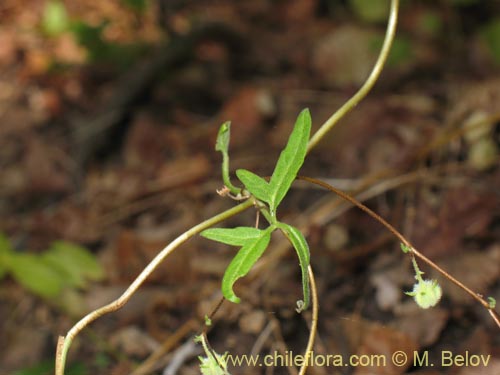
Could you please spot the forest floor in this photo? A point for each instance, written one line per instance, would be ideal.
(108, 119)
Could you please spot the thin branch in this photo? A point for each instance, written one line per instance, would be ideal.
(369, 83)
(63, 346)
(413, 250)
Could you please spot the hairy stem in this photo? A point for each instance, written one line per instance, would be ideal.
(65, 342)
(478, 297)
(367, 86)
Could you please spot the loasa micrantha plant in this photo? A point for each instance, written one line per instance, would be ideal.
(266, 197)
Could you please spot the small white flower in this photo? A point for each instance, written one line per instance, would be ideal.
(426, 293)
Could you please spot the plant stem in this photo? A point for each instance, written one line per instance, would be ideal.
(367, 86)
(226, 179)
(65, 342)
(418, 273)
(414, 251)
(314, 321)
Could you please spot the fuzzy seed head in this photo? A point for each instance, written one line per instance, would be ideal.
(426, 293)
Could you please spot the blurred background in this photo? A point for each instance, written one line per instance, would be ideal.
(108, 117)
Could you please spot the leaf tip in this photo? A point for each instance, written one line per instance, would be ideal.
(222, 142)
(306, 115)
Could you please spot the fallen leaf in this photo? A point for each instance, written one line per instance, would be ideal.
(145, 144)
(423, 326)
(476, 269)
(492, 368)
(384, 341)
(133, 342)
(134, 250)
(244, 110)
(443, 220)
(252, 322)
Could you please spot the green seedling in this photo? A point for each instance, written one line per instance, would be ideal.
(267, 195)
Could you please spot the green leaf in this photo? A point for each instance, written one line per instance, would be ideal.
(232, 236)
(256, 185)
(71, 275)
(222, 143)
(35, 275)
(298, 241)
(55, 18)
(290, 160)
(243, 262)
(5, 254)
(76, 260)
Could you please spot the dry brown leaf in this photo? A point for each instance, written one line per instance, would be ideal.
(245, 113)
(384, 341)
(36, 168)
(133, 342)
(492, 368)
(476, 269)
(298, 11)
(134, 250)
(7, 47)
(423, 326)
(25, 347)
(478, 342)
(145, 144)
(442, 222)
(181, 172)
(373, 340)
(252, 322)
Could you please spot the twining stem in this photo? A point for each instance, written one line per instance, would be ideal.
(369, 83)
(314, 321)
(65, 342)
(414, 251)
